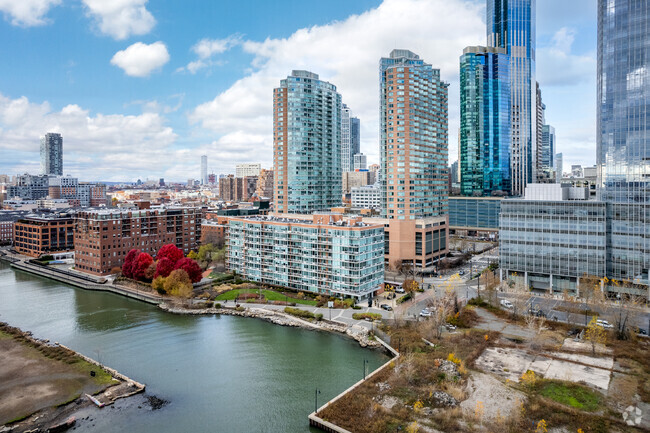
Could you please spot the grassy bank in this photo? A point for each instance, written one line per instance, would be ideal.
(268, 295)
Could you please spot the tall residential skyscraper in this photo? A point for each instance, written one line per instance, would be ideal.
(511, 25)
(539, 124)
(347, 156)
(52, 154)
(355, 135)
(559, 167)
(414, 141)
(484, 121)
(204, 169)
(623, 137)
(306, 144)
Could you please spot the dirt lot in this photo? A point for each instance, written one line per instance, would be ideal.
(36, 376)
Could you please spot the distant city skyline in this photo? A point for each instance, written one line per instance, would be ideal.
(81, 72)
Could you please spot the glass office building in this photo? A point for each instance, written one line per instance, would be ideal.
(485, 133)
(623, 158)
(511, 25)
(474, 214)
(306, 144)
(548, 148)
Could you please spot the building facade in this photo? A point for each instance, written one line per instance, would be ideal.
(38, 234)
(204, 170)
(354, 179)
(366, 197)
(360, 162)
(485, 121)
(243, 170)
(306, 144)
(548, 148)
(623, 135)
(320, 253)
(29, 187)
(265, 184)
(103, 238)
(52, 154)
(347, 154)
(511, 25)
(474, 216)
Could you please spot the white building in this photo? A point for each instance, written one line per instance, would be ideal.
(243, 170)
(366, 197)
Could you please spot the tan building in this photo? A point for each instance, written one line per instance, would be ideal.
(44, 234)
(355, 179)
(234, 189)
(265, 184)
(103, 238)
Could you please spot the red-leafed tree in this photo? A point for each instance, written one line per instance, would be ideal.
(164, 267)
(191, 267)
(140, 266)
(127, 267)
(171, 252)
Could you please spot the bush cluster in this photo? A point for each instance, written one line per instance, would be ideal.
(363, 316)
(303, 314)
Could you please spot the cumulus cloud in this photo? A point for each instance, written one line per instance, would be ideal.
(205, 49)
(557, 65)
(140, 60)
(347, 54)
(27, 13)
(120, 18)
(97, 147)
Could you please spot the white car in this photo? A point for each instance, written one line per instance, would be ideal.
(605, 324)
(399, 289)
(506, 304)
(425, 313)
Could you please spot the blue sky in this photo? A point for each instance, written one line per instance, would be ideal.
(140, 89)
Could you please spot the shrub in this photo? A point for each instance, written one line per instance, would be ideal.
(46, 258)
(304, 314)
(140, 265)
(158, 284)
(318, 317)
(164, 267)
(363, 316)
(404, 298)
(239, 308)
(217, 305)
(191, 267)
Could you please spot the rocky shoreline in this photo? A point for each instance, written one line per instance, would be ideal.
(358, 333)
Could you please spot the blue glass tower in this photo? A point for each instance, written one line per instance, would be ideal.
(485, 122)
(623, 157)
(511, 25)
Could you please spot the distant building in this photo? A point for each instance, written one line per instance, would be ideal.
(103, 238)
(44, 233)
(318, 253)
(78, 194)
(576, 170)
(353, 179)
(548, 148)
(204, 169)
(366, 197)
(243, 170)
(265, 184)
(235, 189)
(559, 167)
(52, 154)
(212, 179)
(307, 165)
(7, 220)
(29, 187)
(474, 216)
(360, 162)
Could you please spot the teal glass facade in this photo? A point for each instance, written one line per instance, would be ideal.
(511, 25)
(480, 213)
(485, 126)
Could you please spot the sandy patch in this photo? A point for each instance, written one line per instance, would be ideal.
(496, 399)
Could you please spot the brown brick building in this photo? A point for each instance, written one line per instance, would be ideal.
(44, 234)
(104, 237)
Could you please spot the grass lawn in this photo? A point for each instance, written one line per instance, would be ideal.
(268, 294)
(572, 395)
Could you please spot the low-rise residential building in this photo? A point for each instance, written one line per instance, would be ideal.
(7, 220)
(29, 187)
(103, 238)
(321, 253)
(44, 233)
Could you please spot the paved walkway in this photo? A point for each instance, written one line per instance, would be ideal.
(490, 322)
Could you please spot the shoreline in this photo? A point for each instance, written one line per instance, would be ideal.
(48, 417)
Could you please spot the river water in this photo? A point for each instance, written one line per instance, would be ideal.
(219, 373)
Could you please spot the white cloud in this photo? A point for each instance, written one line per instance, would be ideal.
(140, 60)
(347, 54)
(205, 49)
(557, 65)
(27, 13)
(119, 146)
(121, 18)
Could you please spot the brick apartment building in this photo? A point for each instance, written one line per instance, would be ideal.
(44, 234)
(104, 237)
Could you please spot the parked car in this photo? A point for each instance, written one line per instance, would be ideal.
(507, 304)
(605, 324)
(536, 312)
(450, 327)
(425, 313)
(461, 272)
(399, 289)
(386, 307)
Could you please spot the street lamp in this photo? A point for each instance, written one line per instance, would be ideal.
(316, 400)
(365, 363)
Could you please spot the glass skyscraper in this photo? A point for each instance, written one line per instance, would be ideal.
(306, 144)
(52, 154)
(485, 124)
(548, 148)
(511, 25)
(623, 158)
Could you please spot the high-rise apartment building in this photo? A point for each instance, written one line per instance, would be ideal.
(347, 155)
(204, 169)
(243, 170)
(623, 138)
(355, 135)
(539, 125)
(360, 162)
(485, 119)
(414, 150)
(265, 184)
(306, 144)
(511, 25)
(52, 154)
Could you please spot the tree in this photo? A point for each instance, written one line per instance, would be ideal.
(193, 255)
(130, 258)
(205, 252)
(164, 267)
(411, 286)
(158, 284)
(191, 267)
(150, 273)
(140, 265)
(175, 281)
(220, 257)
(171, 252)
(595, 334)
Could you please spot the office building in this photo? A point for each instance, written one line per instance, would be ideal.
(360, 162)
(354, 179)
(548, 148)
(306, 144)
(474, 216)
(44, 233)
(29, 187)
(355, 135)
(366, 197)
(204, 170)
(243, 170)
(52, 154)
(511, 25)
(321, 253)
(103, 238)
(559, 167)
(413, 151)
(576, 170)
(485, 125)
(623, 136)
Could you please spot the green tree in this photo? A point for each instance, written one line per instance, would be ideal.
(192, 255)
(205, 252)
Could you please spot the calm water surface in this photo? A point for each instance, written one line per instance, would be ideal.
(220, 373)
